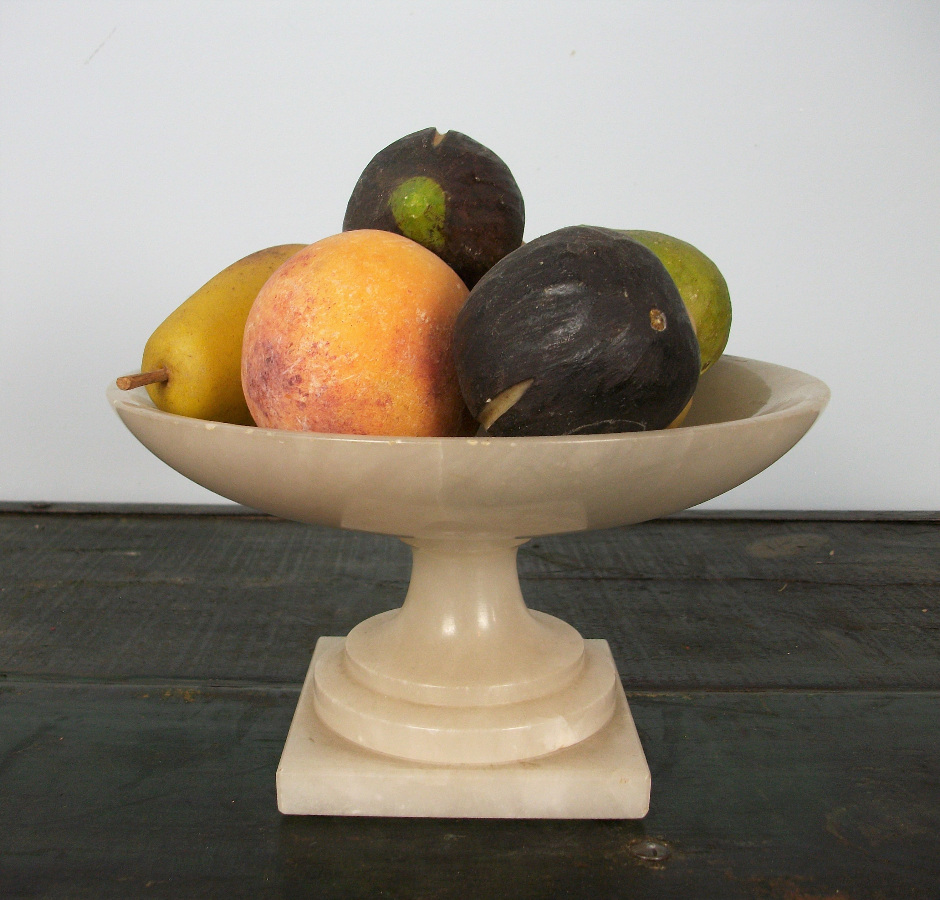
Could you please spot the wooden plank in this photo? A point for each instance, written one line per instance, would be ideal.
(859, 553)
(685, 603)
(700, 549)
(226, 508)
(168, 791)
(149, 666)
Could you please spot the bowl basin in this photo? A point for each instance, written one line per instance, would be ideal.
(745, 415)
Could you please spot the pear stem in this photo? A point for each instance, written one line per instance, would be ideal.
(129, 382)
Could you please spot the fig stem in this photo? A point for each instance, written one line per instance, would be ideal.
(129, 382)
(503, 402)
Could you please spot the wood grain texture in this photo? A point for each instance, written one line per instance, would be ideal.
(130, 791)
(784, 675)
(689, 603)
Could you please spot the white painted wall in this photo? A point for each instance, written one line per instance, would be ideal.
(146, 145)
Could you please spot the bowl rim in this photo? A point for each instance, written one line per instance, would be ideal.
(138, 402)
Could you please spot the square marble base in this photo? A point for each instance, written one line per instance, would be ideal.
(321, 773)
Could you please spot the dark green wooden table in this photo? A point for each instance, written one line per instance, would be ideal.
(783, 671)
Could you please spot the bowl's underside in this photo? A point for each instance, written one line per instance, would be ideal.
(745, 415)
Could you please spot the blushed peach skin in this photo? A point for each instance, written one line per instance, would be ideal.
(352, 335)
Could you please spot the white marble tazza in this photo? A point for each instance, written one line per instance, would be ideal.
(465, 702)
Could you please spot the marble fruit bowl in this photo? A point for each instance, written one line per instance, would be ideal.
(464, 678)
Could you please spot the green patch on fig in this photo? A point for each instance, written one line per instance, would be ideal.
(419, 206)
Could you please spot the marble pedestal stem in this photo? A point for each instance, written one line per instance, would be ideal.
(464, 672)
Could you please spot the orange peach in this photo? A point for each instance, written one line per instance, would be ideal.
(352, 335)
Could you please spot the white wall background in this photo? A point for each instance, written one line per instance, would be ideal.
(146, 145)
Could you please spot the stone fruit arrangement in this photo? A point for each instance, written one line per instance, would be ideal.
(427, 316)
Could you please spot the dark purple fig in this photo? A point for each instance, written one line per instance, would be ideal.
(581, 331)
(448, 193)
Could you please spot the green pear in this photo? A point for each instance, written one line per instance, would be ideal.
(702, 287)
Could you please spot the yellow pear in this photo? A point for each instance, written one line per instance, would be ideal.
(193, 359)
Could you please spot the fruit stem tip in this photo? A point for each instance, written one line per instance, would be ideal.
(129, 382)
